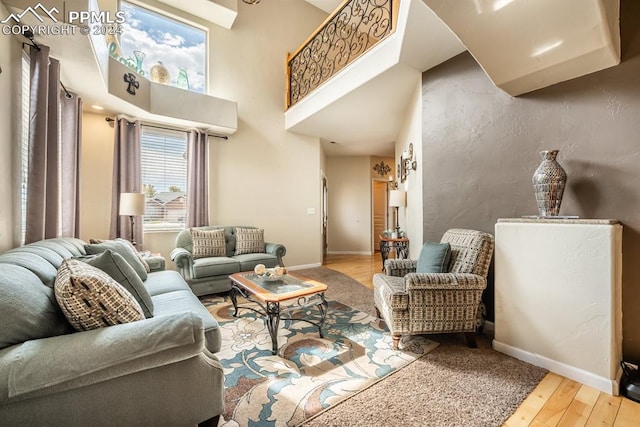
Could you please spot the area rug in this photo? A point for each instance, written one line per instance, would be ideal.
(309, 374)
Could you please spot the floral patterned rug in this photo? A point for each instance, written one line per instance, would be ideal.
(309, 373)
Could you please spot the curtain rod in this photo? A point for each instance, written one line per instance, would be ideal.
(109, 119)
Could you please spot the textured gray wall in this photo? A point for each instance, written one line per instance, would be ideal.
(480, 149)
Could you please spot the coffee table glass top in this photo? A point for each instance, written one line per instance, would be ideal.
(289, 286)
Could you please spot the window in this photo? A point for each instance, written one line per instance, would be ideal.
(156, 45)
(24, 142)
(164, 178)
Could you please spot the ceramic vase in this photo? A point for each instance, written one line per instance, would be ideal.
(549, 181)
(160, 74)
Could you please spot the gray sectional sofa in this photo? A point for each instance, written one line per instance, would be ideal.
(159, 371)
(211, 275)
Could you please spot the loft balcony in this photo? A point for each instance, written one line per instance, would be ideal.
(360, 103)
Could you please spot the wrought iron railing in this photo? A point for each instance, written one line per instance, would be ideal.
(354, 28)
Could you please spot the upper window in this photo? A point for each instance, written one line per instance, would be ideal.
(164, 178)
(162, 49)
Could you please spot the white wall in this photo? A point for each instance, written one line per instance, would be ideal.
(349, 183)
(411, 217)
(10, 61)
(96, 174)
(262, 176)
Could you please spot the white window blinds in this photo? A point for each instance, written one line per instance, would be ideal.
(164, 178)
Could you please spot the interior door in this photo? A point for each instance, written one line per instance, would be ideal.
(379, 211)
(325, 217)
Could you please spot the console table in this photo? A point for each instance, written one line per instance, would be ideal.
(401, 246)
(558, 286)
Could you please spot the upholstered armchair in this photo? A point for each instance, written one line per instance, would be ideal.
(432, 303)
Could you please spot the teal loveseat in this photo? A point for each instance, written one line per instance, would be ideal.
(210, 275)
(159, 371)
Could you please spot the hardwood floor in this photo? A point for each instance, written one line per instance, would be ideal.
(556, 401)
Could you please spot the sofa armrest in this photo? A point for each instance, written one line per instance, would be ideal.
(444, 281)
(276, 249)
(399, 267)
(184, 261)
(44, 366)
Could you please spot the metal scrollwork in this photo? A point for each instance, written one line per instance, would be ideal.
(354, 29)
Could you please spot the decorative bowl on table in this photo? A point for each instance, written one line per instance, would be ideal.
(269, 274)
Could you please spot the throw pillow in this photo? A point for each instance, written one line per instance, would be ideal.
(249, 241)
(128, 243)
(115, 266)
(90, 299)
(208, 243)
(120, 248)
(434, 258)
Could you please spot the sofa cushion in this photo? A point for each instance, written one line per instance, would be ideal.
(91, 299)
(208, 243)
(161, 282)
(125, 242)
(214, 266)
(115, 266)
(184, 301)
(249, 240)
(433, 258)
(28, 308)
(249, 261)
(131, 256)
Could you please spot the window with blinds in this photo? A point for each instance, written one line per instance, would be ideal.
(164, 178)
(24, 142)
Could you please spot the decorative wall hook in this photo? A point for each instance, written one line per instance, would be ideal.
(132, 83)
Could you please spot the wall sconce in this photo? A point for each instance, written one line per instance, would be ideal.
(407, 164)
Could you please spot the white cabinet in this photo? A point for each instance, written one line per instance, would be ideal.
(558, 296)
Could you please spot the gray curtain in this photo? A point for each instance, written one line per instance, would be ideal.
(197, 179)
(127, 178)
(54, 153)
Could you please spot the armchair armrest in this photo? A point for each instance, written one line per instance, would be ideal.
(399, 267)
(184, 261)
(276, 249)
(44, 366)
(444, 281)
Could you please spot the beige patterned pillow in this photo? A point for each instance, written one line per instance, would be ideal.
(249, 241)
(91, 299)
(208, 243)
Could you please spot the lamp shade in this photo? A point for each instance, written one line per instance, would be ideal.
(397, 198)
(131, 204)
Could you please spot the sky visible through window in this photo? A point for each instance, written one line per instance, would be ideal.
(163, 39)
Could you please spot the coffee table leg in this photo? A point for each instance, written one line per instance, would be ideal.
(234, 300)
(323, 307)
(273, 321)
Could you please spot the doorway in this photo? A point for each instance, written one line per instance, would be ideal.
(379, 211)
(325, 216)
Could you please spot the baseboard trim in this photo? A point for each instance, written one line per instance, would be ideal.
(606, 385)
(350, 253)
(303, 266)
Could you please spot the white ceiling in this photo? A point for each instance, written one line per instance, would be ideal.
(507, 38)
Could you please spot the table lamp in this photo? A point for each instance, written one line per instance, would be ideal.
(397, 198)
(132, 204)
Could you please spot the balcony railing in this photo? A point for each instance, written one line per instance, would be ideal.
(354, 28)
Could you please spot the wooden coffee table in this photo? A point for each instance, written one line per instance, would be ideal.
(269, 294)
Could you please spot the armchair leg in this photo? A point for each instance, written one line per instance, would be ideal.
(211, 422)
(471, 339)
(396, 340)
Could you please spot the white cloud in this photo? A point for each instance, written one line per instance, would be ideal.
(171, 51)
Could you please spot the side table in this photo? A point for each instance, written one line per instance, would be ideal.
(400, 244)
